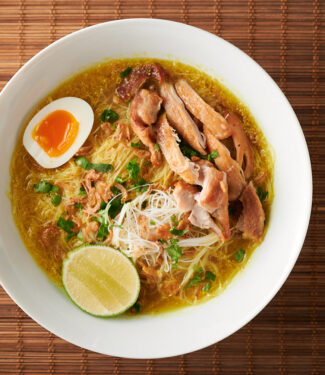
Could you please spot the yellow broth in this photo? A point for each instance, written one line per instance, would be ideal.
(96, 85)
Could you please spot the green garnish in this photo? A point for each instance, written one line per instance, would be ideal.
(45, 187)
(56, 200)
(157, 148)
(120, 180)
(162, 241)
(144, 205)
(102, 205)
(214, 154)
(82, 191)
(115, 190)
(198, 278)
(115, 207)
(109, 116)
(261, 194)
(78, 205)
(174, 266)
(207, 287)
(67, 226)
(239, 255)
(177, 232)
(137, 307)
(99, 167)
(102, 232)
(187, 150)
(210, 276)
(174, 250)
(174, 220)
(136, 145)
(152, 222)
(133, 168)
(126, 72)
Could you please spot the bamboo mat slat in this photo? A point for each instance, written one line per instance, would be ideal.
(287, 37)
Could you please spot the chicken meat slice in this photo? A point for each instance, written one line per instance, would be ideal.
(187, 197)
(251, 221)
(224, 162)
(143, 113)
(180, 119)
(167, 141)
(138, 77)
(244, 152)
(214, 195)
(202, 110)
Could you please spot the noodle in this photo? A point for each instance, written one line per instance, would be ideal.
(32, 210)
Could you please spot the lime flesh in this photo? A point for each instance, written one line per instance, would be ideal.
(100, 280)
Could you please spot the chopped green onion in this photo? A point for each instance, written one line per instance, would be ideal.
(261, 194)
(207, 287)
(126, 72)
(99, 167)
(136, 145)
(177, 232)
(109, 116)
(157, 148)
(152, 222)
(56, 200)
(239, 255)
(214, 154)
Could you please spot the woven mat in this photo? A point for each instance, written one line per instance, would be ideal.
(287, 39)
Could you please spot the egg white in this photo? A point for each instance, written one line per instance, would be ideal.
(82, 112)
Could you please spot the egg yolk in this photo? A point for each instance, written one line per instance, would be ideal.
(56, 132)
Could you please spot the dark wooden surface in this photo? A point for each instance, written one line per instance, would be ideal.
(288, 39)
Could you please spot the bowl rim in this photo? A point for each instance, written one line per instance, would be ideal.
(308, 199)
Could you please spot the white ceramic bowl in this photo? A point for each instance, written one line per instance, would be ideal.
(191, 328)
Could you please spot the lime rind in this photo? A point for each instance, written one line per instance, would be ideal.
(87, 246)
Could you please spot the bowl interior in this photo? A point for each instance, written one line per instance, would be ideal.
(195, 327)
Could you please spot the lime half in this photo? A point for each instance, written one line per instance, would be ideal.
(100, 280)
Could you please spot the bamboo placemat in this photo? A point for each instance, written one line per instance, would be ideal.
(287, 38)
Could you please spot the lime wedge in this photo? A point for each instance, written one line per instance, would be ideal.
(100, 280)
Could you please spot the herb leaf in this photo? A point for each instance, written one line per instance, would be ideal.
(261, 194)
(115, 207)
(136, 145)
(207, 287)
(239, 255)
(102, 232)
(187, 150)
(109, 116)
(177, 232)
(82, 191)
(86, 164)
(196, 279)
(174, 250)
(126, 72)
(214, 154)
(56, 200)
(162, 241)
(43, 187)
(210, 276)
(157, 148)
(66, 225)
(133, 168)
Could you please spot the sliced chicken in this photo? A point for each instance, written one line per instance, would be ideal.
(180, 118)
(138, 77)
(187, 197)
(224, 162)
(143, 113)
(214, 195)
(184, 195)
(251, 222)
(167, 141)
(202, 219)
(202, 110)
(244, 152)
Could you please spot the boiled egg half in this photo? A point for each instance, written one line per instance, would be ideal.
(58, 130)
